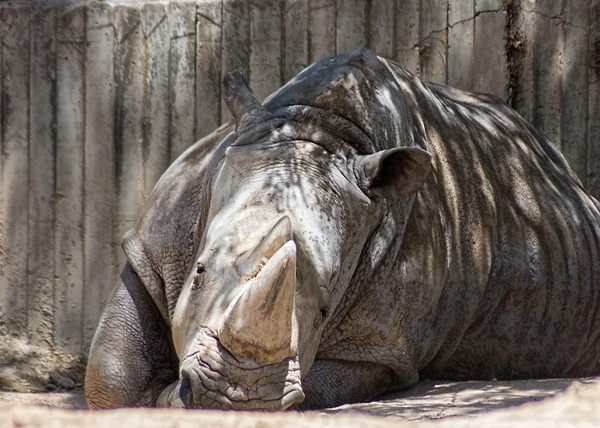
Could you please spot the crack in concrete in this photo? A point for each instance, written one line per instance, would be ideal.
(148, 34)
(209, 19)
(449, 26)
(130, 32)
(559, 17)
(422, 43)
(183, 36)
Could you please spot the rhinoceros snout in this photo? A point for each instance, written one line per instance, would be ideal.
(194, 389)
(210, 377)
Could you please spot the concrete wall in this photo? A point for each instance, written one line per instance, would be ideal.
(98, 98)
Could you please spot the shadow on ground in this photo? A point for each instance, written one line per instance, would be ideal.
(426, 405)
(435, 399)
(29, 368)
(428, 400)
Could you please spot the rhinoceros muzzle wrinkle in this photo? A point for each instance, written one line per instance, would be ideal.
(258, 324)
(211, 377)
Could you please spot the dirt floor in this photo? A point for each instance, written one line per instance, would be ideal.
(28, 368)
(43, 388)
(531, 403)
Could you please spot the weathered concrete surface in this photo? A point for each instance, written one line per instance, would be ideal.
(428, 404)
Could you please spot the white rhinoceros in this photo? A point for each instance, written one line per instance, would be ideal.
(359, 230)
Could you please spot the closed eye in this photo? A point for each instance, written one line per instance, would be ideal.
(199, 279)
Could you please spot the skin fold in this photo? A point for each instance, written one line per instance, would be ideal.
(359, 230)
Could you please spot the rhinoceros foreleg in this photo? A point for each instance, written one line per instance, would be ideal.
(131, 358)
(331, 383)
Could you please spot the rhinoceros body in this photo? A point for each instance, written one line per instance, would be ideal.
(313, 253)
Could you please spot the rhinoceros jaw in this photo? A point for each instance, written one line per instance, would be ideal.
(258, 324)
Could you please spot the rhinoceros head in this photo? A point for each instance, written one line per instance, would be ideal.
(290, 208)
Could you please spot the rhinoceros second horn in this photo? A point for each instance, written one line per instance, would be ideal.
(242, 104)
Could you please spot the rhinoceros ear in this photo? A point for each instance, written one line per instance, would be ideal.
(394, 172)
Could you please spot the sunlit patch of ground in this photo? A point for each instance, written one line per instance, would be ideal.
(529, 403)
(434, 400)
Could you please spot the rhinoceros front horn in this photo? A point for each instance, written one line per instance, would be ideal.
(258, 324)
(244, 107)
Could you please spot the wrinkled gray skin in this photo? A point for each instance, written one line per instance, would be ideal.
(361, 230)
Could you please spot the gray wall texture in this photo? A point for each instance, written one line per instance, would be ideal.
(97, 98)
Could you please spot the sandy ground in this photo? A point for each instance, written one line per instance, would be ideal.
(530, 403)
(28, 371)
(28, 368)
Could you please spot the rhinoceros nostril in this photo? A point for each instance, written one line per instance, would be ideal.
(185, 392)
(177, 395)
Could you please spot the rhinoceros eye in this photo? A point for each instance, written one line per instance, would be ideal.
(198, 279)
(323, 312)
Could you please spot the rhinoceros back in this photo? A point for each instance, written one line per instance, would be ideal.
(502, 247)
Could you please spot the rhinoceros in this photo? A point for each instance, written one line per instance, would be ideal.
(357, 231)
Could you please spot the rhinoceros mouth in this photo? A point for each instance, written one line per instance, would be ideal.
(211, 377)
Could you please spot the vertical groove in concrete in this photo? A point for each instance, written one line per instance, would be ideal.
(408, 30)
(14, 186)
(265, 52)
(42, 119)
(70, 102)
(381, 17)
(548, 46)
(156, 117)
(130, 64)
(83, 190)
(99, 166)
(593, 117)
(235, 42)
(182, 19)
(520, 28)
(208, 66)
(295, 38)
(321, 29)
(5, 294)
(281, 45)
(350, 25)
(433, 40)
(575, 77)
(490, 48)
(461, 34)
